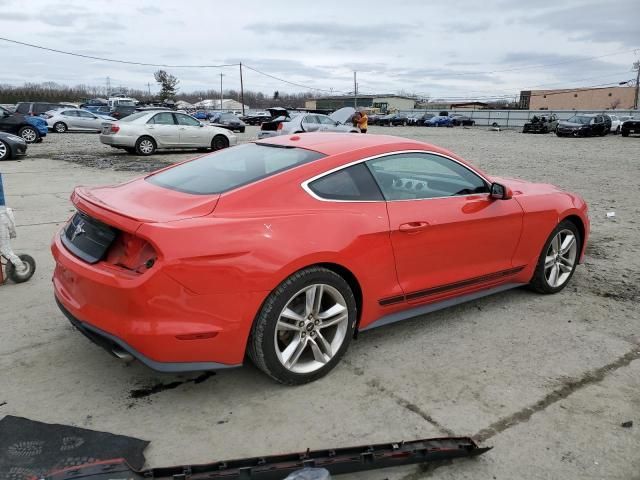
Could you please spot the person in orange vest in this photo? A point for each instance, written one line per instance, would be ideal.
(363, 122)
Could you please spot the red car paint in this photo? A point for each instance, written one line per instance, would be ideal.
(219, 256)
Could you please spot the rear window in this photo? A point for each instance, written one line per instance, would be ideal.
(231, 168)
(23, 108)
(134, 116)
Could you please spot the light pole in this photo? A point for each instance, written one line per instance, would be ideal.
(636, 67)
(221, 75)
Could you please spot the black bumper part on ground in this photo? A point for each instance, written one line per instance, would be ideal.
(277, 467)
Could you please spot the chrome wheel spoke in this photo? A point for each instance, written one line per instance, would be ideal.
(317, 352)
(564, 268)
(567, 243)
(553, 275)
(549, 261)
(292, 353)
(555, 244)
(282, 325)
(324, 345)
(291, 315)
(334, 320)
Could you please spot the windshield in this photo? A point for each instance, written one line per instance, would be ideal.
(583, 119)
(230, 168)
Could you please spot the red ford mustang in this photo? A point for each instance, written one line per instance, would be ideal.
(284, 248)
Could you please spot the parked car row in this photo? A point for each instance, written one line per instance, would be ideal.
(443, 119)
(285, 123)
(31, 129)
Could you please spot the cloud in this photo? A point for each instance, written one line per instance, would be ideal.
(336, 35)
(593, 22)
(149, 10)
(468, 27)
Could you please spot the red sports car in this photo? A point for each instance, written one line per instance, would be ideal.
(284, 248)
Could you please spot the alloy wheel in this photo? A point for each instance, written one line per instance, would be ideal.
(4, 151)
(311, 328)
(29, 135)
(560, 258)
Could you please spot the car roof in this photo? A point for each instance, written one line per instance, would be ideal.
(329, 143)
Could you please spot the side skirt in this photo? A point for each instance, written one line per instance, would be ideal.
(432, 307)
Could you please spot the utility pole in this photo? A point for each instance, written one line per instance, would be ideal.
(149, 88)
(108, 87)
(355, 91)
(636, 67)
(221, 75)
(241, 90)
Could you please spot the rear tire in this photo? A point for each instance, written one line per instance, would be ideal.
(288, 341)
(5, 151)
(29, 134)
(219, 142)
(145, 146)
(59, 127)
(558, 258)
(20, 277)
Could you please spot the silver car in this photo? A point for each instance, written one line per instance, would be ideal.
(63, 120)
(286, 124)
(145, 132)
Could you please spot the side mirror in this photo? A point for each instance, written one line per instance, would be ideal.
(201, 124)
(500, 192)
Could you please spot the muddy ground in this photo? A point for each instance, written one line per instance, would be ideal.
(546, 380)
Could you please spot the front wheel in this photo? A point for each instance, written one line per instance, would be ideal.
(624, 134)
(5, 151)
(558, 259)
(304, 327)
(29, 134)
(18, 276)
(219, 142)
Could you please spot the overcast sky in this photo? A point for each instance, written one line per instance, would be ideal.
(440, 48)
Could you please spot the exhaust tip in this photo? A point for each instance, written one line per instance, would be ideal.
(122, 354)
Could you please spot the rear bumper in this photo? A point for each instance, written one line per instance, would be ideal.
(118, 140)
(267, 133)
(113, 345)
(153, 317)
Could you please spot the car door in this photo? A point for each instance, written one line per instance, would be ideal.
(192, 132)
(88, 121)
(71, 119)
(164, 129)
(447, 232)
(310, 123)
(326, 124)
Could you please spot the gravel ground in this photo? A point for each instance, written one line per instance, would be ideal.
(546, 380)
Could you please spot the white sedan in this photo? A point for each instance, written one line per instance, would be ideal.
(70, 119)
(145, 132)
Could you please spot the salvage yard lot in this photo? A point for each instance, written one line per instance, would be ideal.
(546, 380)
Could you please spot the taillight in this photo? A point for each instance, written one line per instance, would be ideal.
(280, 126)
(115, 128)
(132, 253)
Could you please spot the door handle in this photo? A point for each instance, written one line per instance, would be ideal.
(413, 227)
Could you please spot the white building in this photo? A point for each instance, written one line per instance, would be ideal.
(214, 104)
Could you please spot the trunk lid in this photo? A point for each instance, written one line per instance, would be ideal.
(342, 115)
(144, 202)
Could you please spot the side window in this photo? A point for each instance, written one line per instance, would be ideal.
(186, 120)
(352, 183)
(70, 113)
(164, 118)
(414, 176)
(324, 120)
(23, 108)
(85, 114)
(310, 120)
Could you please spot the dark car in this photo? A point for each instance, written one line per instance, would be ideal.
(228, 121)
(394, 119)
(98, 109)
(462, 120)
(584, 125)
(121, 111)
(256, 118)
(541, 124)
(94, 102)
(11, 146)
(38, 108)
(20, 125)
(630, 126)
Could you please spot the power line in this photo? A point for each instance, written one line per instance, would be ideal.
(113, 60)
(287, 81)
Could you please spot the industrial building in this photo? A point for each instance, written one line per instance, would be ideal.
(607, 98)
(385, 103)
